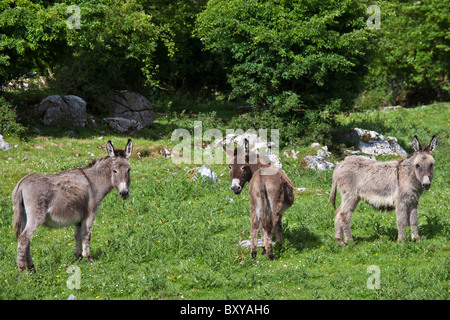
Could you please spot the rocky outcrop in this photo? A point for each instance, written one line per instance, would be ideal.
(57, 110)
(132, 106)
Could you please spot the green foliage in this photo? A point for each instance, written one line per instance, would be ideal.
(8, 119)
(291, 57)
(413, 55)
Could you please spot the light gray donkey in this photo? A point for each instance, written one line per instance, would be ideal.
(384, 185)
(68, 198)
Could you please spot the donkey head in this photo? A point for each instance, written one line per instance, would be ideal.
(423, 162)
(120, 168)
(239, 168)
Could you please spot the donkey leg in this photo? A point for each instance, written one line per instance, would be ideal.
(402, 221)
(24, 259)
(277, 215)
(78, 242)
(338, 228)
(413, 223)
(343, 219)
(267, 240)
(254, 229)
(263, 252)
(86, 227)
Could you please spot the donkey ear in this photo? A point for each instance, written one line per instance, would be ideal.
(128, 149)
(110, 149)
(228, 151)
(246, 146)
(432, 144)
(416, 144)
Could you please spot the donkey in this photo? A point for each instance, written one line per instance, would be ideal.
(271, 193)
(384, 185)
(68, 198)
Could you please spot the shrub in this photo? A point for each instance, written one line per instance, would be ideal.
(8, 119)
(292, 59)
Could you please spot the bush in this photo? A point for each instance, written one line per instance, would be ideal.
(291, 59)
(8, 119)
(413, 52)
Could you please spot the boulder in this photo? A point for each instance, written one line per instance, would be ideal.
(204, 172)
(123, 125)
(256, 144)
(57, 110)
(132, 106)
(318, 162)
(375, 144)
(3, 144)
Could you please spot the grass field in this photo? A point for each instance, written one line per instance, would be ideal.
(175, 238)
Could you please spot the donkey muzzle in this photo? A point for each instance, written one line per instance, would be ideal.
(426, 182)
(235, 186)
(124, 192)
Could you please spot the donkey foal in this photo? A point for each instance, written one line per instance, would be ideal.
(68, 198)
(271, 193)
(384, 185)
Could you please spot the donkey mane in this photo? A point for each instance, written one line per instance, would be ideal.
(117, 153)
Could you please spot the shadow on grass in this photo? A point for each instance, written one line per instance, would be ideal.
(300, 238)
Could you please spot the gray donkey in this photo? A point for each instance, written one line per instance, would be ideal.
(68, 198)
(384, 185)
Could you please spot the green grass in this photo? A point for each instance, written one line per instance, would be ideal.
(176, 239)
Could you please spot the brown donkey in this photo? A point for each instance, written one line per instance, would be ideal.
(271, 193)
(68, 198)
(384, 185)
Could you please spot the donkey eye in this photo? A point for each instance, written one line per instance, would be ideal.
(115, 171)
(417, 166)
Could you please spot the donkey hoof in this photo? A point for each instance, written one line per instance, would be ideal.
(271, 257)
(341, 243)
(253, 255)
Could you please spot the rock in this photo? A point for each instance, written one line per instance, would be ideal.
(204, 172)
(375, 144)
(291, 154)
(391, 108)
(248, 244)
(324, 152)
(57, 110)
(123, 125)
(256, 144)
(318, 162)
(132, 106)
(3, 144)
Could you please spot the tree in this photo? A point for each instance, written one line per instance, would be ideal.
(298, 60)
(413, 51)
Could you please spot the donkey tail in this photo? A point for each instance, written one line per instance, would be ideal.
(332, 199)
(20, 217)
